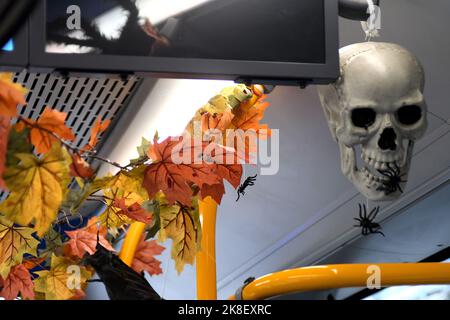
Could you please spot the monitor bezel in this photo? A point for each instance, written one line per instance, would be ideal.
(241, 71)
(17, 59)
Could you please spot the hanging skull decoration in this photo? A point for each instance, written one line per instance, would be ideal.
(376, 111)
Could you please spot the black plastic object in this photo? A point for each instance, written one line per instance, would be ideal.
(121, 282)
(13, 14)
(355, 9)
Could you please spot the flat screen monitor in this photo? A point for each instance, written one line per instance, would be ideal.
(273, 41)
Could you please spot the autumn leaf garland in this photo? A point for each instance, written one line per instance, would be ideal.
(154, 189)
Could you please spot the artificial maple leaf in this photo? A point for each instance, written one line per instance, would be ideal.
(144, 258)
(219, 122)
(135, 211)
(80, 168)
(18, 282)
(11, 94)
(56, 283)
(51, 122)
(98, 128)
(225, 165)
(181, 224)
(15, 241)
(215, 191)
(247, 129)
(4, 134)
(18, 142)
(38, 187)
(85, 239)
(127, 185)
(31, 263)
(175, 179)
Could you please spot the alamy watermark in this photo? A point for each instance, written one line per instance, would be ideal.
(261, 147)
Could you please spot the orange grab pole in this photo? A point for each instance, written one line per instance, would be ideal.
(131, 242)
(206, 257)
(342, 276)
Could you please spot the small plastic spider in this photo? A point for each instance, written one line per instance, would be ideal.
(366, 221)
(394, 179)
(250, 181)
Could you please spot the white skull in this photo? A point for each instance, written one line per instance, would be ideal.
(377, 103)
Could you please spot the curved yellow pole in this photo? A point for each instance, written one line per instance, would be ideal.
(206, 257)
(131, 242)
(342, 276)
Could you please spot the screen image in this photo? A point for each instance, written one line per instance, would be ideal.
(246, 30)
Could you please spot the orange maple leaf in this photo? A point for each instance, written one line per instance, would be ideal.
(215, 191)
(80, 168)
(144, 258)
(50, 123)
(220, 121)
(98, 128)
(232, 172)
(85, 239)
(247, 129)
(175, 179)
(4, 133)
(32, 263)
(18, 281)
(11, 94)
(134, 211)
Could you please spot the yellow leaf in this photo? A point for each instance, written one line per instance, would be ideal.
(127, 185)
(182, 225)
(62, 280)
(38, 187)
(14, 243)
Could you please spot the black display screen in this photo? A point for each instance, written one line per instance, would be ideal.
(243, 30)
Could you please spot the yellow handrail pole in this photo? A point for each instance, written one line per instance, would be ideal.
(131, 242)
(344, 276)
(206, 257)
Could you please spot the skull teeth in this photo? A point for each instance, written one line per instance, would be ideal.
(379, 165)
(372, 177)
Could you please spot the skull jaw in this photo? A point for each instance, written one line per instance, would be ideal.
(371, 189)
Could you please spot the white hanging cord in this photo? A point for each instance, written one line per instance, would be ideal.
(163, 291)
(372, 26)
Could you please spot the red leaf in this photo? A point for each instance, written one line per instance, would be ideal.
(85, 239)
(144, 259)
(18, 281)
(175, 179)
(80, 168)
(4, 133)
(135, 211)
(215, 191)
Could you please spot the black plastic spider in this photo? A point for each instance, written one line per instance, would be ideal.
(393, 181)
(250, 181)
(366, 221)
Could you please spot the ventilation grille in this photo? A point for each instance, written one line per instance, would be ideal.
(83, 99)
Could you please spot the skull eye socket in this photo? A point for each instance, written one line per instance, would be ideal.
(363, 117)
(409, 115)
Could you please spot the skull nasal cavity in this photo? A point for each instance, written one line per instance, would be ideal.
(387, 139)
